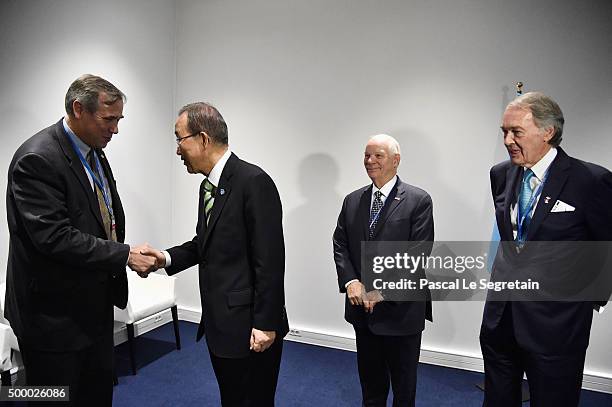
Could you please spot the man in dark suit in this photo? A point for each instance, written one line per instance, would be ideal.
(388, 333)
(66, 265)
(540, 194)
(240, 251)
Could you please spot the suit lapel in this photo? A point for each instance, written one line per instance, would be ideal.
(513, 177)
(79, 172)
(363, 212)
(116, 201)
(223, 191)
(557, 176)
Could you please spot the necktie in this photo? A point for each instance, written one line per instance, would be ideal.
(209, 198)
(111, 234)
(523, 201)
(377, 205)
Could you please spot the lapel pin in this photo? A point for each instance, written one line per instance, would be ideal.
(547, 199)
(222, 191)
(397, 198)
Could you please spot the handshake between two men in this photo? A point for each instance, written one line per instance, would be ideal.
(144, 259)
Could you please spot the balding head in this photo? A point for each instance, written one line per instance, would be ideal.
(381, 158)
(385, 139)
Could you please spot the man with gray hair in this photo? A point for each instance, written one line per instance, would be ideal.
(388, 333)
(66, 264)
(240, 251)
(540, 194)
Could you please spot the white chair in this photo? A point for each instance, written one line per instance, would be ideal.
(146, 297)
(8, 342)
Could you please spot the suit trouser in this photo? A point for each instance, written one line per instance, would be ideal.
(87, 372)
(382, 357)
(249, 381)
(554, 380)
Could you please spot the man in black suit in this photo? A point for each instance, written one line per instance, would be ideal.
(66, 265)
(540, 194)
(240, 251)
(388, 333)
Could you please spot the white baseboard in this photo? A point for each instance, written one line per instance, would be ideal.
(591, 380)
(190, 315)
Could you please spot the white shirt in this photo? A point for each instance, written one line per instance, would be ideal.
(385, 190)
(84, 149)
(215, 174)
(539, 170)
(214, 177)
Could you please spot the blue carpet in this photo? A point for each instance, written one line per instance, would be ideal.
(310, 376)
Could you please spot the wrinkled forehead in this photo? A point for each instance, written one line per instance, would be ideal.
(181, 123)
(377, 146)
(517, 111)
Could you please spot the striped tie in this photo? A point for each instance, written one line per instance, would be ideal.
(523, 201)
(209, 198)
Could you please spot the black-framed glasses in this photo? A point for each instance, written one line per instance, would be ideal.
(180, 139)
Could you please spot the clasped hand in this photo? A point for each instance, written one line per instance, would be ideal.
(261, 340)
(357, 295)
(144, 259)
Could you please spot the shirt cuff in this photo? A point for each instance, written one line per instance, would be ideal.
(349, 283)
(168, 258)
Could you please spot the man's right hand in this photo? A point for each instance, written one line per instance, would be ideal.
(143, 261)
(356, 293)
(160, 259)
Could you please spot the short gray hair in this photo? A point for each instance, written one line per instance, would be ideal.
(86, 89)
(546, 113)
(392, 143)
(202, 116)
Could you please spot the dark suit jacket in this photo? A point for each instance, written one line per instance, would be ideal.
(241, 258)
(552, 327)
(408, 219)
(63, 276)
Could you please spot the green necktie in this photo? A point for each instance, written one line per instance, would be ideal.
(209, 198)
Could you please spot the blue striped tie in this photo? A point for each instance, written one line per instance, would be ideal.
(523, 201)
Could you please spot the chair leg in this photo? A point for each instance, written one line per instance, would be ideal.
(6, 378)
(176, 326)
(130, 332)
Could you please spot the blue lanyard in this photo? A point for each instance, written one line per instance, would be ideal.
(99, 182)
(521, 217)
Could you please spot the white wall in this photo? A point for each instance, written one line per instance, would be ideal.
(303, 84)
(47, 44)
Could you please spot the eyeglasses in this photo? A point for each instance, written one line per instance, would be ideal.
(180, 139)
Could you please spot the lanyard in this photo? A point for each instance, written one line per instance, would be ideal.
(99, 182)
(521, 217)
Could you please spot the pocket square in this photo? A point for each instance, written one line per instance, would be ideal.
(561, 206)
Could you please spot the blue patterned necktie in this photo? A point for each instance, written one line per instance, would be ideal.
(376, 207)
(209, 198)
(523, 201)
